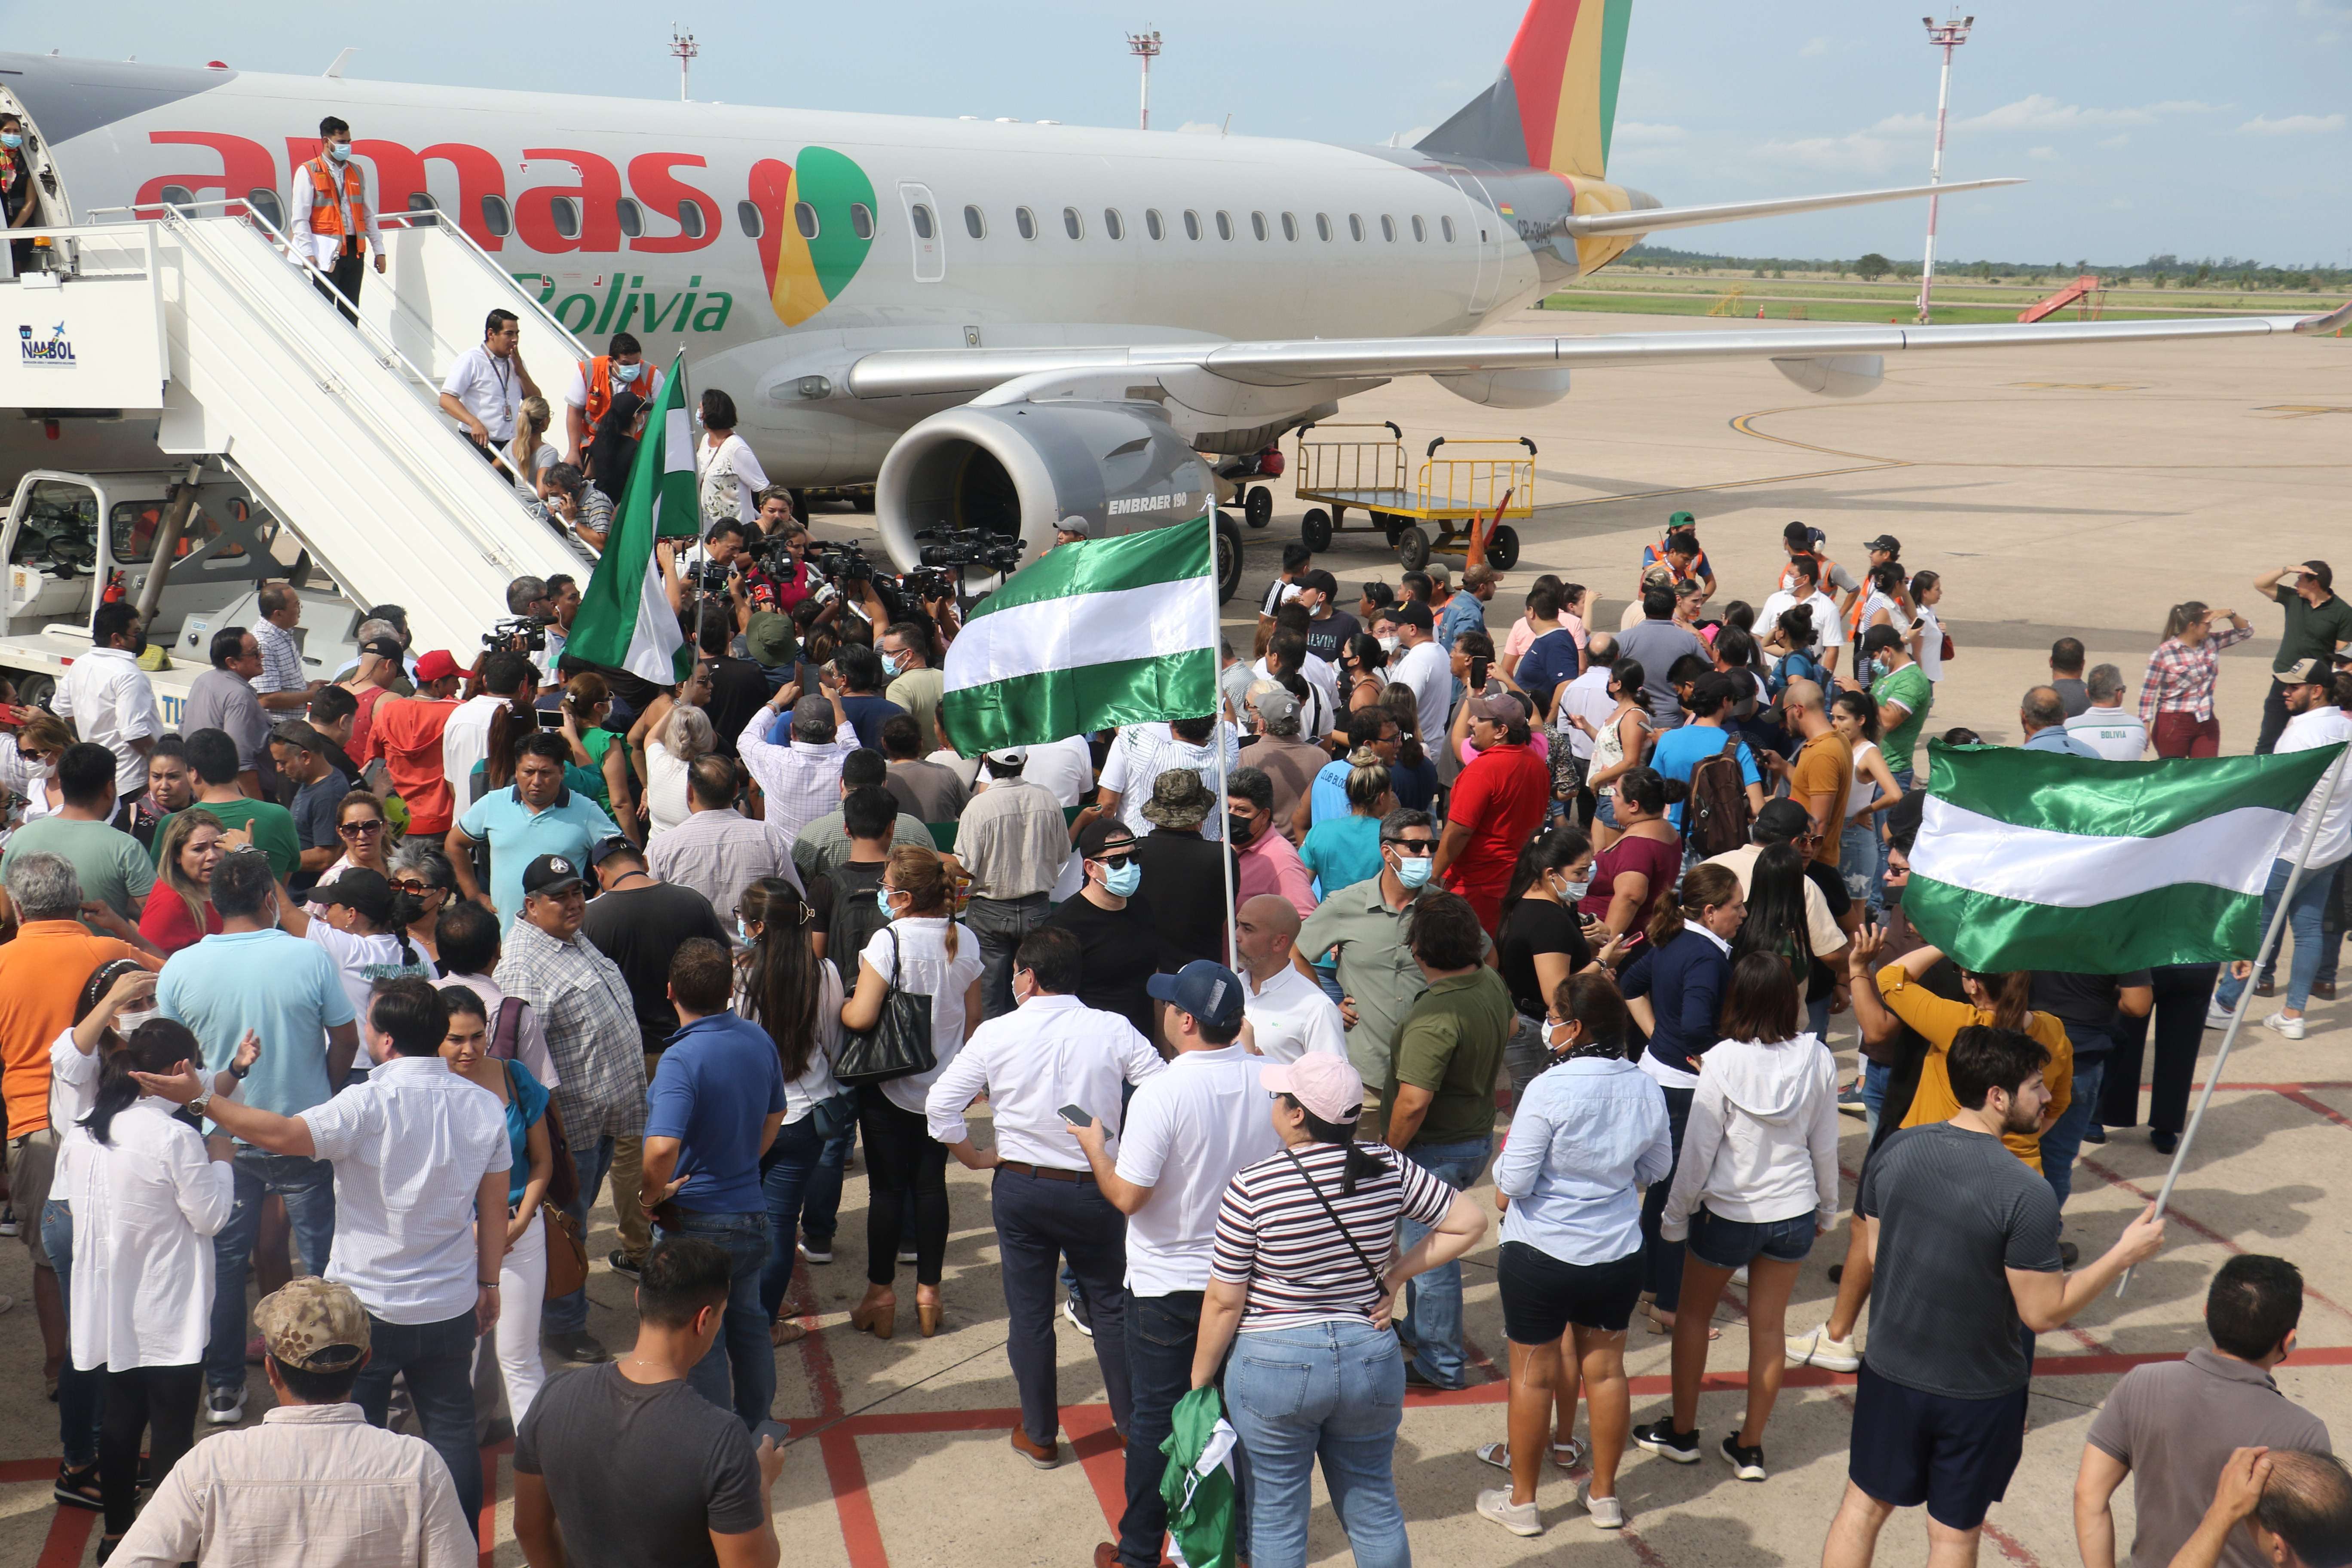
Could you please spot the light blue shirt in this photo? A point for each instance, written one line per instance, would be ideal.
(1328, 795)
(517, 835)
(1587, 1136)
(286, 990)
(2056, 738)
(1465, 612)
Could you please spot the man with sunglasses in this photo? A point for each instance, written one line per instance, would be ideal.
(300, 755)
(1119, 937)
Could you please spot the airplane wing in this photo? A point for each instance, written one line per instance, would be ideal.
(902, 373)
(1648, 220)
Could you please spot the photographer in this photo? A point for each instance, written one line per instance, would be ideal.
(729, 567)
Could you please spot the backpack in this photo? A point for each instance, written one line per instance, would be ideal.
(1717, 816)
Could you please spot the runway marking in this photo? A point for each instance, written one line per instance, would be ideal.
(1742, 424)
(2206, 1231)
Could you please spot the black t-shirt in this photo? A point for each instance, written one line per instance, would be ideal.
(1326, 637)
(1533, 926)
(851, 914)
(639, 927)
(739, 689)
(1122, 950)
(1188, 892)
(639, 1472)
(1821, 979)
(2085, 1004)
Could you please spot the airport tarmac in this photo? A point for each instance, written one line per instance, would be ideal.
(2079, 493)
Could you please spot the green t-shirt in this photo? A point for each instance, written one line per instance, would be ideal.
(107, 861)
(1910, 687)
(1451, 1044)
(2311, 632)
(272, 825)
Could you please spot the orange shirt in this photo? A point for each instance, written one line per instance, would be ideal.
(407, 735)
(1825, 766)
(42, 974)
(1937, 1019)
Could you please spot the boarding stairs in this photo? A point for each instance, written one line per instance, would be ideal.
(2085, 290)
(199, 321)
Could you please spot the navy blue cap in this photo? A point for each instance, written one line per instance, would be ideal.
(1210, 991)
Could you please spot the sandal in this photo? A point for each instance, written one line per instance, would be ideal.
(785, 1331)
(77, 1488)
(1567, 1455)
(1659, 1325)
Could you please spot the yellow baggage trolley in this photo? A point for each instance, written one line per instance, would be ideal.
(1453, 491)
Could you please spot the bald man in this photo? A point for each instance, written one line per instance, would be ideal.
(1822, 773)
(1284, 1013)
(2296, 1508)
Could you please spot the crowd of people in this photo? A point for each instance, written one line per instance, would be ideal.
(410, 969)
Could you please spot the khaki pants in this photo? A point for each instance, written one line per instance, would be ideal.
(627, 1180)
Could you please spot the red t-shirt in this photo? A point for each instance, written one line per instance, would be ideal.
(407, 735)
(1501, 798)
(165, 922)
(364, 720)
(1662, 859)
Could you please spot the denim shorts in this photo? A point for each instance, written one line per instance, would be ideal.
(1542, 1296)
(1604, 807)
(1735, 1244)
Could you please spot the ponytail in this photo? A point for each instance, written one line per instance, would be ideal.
(2012, 998)
(157, 1046)
(509, 725)
(1706, 886)
(1360, 1161)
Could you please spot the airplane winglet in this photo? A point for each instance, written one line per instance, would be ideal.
(342, 61)
(2336, 321)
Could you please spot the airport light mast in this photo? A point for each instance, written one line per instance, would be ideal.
(1947, 36)
(682, 44)
(1145, 47)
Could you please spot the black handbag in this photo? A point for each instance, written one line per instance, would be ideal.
(898, 1046)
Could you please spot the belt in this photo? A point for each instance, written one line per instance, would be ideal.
(48, 1136)
(1045, 1173)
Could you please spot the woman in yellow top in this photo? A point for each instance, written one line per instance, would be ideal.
(1999, 1000)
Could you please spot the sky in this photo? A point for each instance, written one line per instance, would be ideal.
(2206, 130)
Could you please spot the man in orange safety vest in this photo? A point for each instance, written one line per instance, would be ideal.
(331, 225)
(621, 367)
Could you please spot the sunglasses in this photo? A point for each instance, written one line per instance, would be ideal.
(410, 885)
(1115, 862)
(360, 829)
(1417, 847)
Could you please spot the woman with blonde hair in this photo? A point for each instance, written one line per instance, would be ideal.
(41, 740)
(2176, 699)
(923, 952)
(1340, 851)
(532, 457)
(179, 911)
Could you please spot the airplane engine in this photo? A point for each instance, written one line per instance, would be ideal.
(1508, 389)
(1835, 375)
(1016, 470)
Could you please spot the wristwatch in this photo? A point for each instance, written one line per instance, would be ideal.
(240, 1073)
(197, 1105)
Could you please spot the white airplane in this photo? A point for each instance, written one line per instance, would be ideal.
(1001, 325)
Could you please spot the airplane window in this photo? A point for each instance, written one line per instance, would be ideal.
(1151, 224)
(423, 202)
(861, 220)
(1026, 221)
(177, 196)
(1289, 227)
(689, 219)
(1323, 227)
(1257, 225)
(631, 217)
(746, 218)
(1072, 224)
(1225, 224)
(805, 219)
(499, 223)
(918, 213)
(1388, 228)
(1420, 230)
(565, 210)
(973, 224)
(1191, 224)
(264, 201)
(1114, 224)
(1446, 227)
(1355, 228)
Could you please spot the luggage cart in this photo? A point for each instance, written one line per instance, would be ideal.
(1453, 491)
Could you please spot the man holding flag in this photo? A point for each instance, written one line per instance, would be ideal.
(628, 616)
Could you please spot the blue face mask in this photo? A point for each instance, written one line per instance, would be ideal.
(890, 664)
(742, 932)
(1122, 882)
(341, 151)
(1413, 870)
(625, 374)
(11, 140)
(882, 897)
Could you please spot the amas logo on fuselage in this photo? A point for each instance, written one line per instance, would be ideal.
(57, 349)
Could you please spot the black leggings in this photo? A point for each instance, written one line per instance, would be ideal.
(902, 1158)
(160, 1401)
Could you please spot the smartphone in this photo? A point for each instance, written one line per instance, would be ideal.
(1075, 1117)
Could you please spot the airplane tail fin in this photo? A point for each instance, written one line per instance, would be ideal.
(1554, 103)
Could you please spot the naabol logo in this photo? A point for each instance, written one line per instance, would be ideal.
(56, 349)
(817, 225)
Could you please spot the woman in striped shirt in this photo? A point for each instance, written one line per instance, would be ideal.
(1305, 1270)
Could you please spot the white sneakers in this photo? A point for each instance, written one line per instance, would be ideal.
(1518, 1518)
(2216, 1016)
(1607, 1512)
(2290, 1028)
(1815, 1348)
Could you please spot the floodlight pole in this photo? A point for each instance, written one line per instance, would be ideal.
(1946, 36)
(1145, 47)
(682, 44)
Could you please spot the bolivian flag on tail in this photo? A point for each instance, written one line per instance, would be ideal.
(625, 620)
(2041, 860)
(1091, 635)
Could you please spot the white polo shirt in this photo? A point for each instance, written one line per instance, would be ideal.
(466, 740)
(110, 701)
(1828, 626)
(1290, 1016)
(1188, 1130)
(490, 388)
(1051, 1051)
(410, 1148)
(2116, 733)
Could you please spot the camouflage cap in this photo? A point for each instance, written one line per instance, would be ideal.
(313, 1326)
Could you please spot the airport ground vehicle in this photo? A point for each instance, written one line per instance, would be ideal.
(1455, 492)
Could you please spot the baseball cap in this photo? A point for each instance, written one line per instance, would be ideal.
(1208, 991)
(358, 888)
(1779, 821)
(1681, 520)
(1411, 613)
(2303, 672)
(1099, 832)
(603, 848)
(1322, 581)
(550, 874)
(312, 1325)
(1499, 710)
(1275, 705)
(1075, 523)
(1009, 756)
(1323, 1082)
(1877, 637)
(1886, 541)
(438, 664)
(381, 647)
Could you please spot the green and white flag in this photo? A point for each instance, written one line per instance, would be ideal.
(1092, 634)
(2043, 860)
(625, 620)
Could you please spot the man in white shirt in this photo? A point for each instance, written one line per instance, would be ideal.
(419, 1154)
(1188, 1130)
(314, 1486)
(110, 699)
(800, 780)
(1828, 626)
(1143, 752)
(281, 685)
(1050, 1051)
(2106, 726)
(1288, 1014)
(1421, 664)
(328, 221)
(466, 738)
(1013, 839)
(1587, 696)
(1066, 768)
(487, 386)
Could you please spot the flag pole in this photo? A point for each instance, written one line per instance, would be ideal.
(1217, 742)
(701, 599)
(2326, 796)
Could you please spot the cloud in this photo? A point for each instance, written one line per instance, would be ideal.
(2042, 154)
(1863, 150)
(2292, 124)
(1815, 48)
(2119, 140)
(2038, 112)
(1635, 133)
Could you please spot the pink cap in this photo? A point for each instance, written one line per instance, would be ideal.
(1324, 1083)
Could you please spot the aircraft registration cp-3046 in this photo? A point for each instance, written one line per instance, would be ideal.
(1001, 325)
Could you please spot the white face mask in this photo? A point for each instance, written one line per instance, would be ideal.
(1389, 644)
(1567, 889)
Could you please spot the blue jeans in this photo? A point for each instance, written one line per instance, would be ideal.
(2303, 917)
(1333, 1391)
(1001, 923)
(1858, 861)
(81, 1394)
(1662, 1266)
(738, 1372)
(1432, 1318)
(1875, 1078)
(2065, 1139)
(785, 1177)
(308, 1186)
(569, 1314)
(439, 1361)
(821, 1198)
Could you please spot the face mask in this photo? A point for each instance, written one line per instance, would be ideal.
(1122, 881)
(43, 770)
(1571, 891)
(1241, 830)
(625, 374)
(890, 664)
(1388, 645)
(882, 898)
(11, 140)
(742, 932)
(1413, 870)
(341, 151)
(1554, 1043)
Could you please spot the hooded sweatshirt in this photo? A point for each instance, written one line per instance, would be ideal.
(1762, 1140)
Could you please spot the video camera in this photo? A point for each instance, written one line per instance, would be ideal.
(524, 635)
(844, 561)
(963, 547)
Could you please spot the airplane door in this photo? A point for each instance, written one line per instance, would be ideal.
(1486, 226)
(924, 233)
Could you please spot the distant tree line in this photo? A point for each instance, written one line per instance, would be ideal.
(2165, 271)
